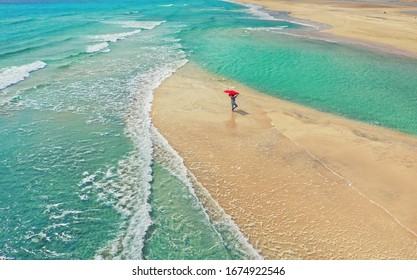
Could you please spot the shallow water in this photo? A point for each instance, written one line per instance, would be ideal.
(344, 80)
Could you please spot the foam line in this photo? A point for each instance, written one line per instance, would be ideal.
(98, 47)
(15, 74)
(114, 37)
(137, 24)
(133, 187)
(262, 13)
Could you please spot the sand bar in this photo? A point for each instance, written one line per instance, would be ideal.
(378, 23)
(298, 182)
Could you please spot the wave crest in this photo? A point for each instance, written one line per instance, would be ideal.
(100, 47)
(137, 24)
(114, 37)
(15, 74)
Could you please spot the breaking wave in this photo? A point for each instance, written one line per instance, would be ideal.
(135, 173)
(15, 74)
(114, 37)
(103, 47)
(137, 24)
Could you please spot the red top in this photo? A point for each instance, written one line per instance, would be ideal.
(231, 92)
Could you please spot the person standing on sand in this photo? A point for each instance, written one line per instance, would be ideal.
(233, 100)
(232, 94)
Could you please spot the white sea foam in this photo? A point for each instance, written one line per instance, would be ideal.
(114, 37)
(264, 14)
(54, 226)
(259, 12)
(172, 5)
(36, 237)
(130, 189)
(15, 74)
(52, 207)
(65, 213)
(256, 10)
(269, 29)
(100, 47)
(103, 40)
(137, 24)
(89, 179)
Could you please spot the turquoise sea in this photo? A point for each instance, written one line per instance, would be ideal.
(83, 172)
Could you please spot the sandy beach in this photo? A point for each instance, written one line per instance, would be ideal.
(377, 23)
(301, 184)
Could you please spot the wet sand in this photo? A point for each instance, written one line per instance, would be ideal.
(386, 24)
(299, 183)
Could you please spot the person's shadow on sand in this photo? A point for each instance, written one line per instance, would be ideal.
(241, 112)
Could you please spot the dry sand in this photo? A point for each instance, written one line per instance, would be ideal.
(300, 184)
(380, 24)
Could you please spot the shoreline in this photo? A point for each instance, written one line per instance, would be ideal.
(385, 27)
(299, 183)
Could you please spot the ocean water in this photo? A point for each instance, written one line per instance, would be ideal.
(83, 172)
(347, 80)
